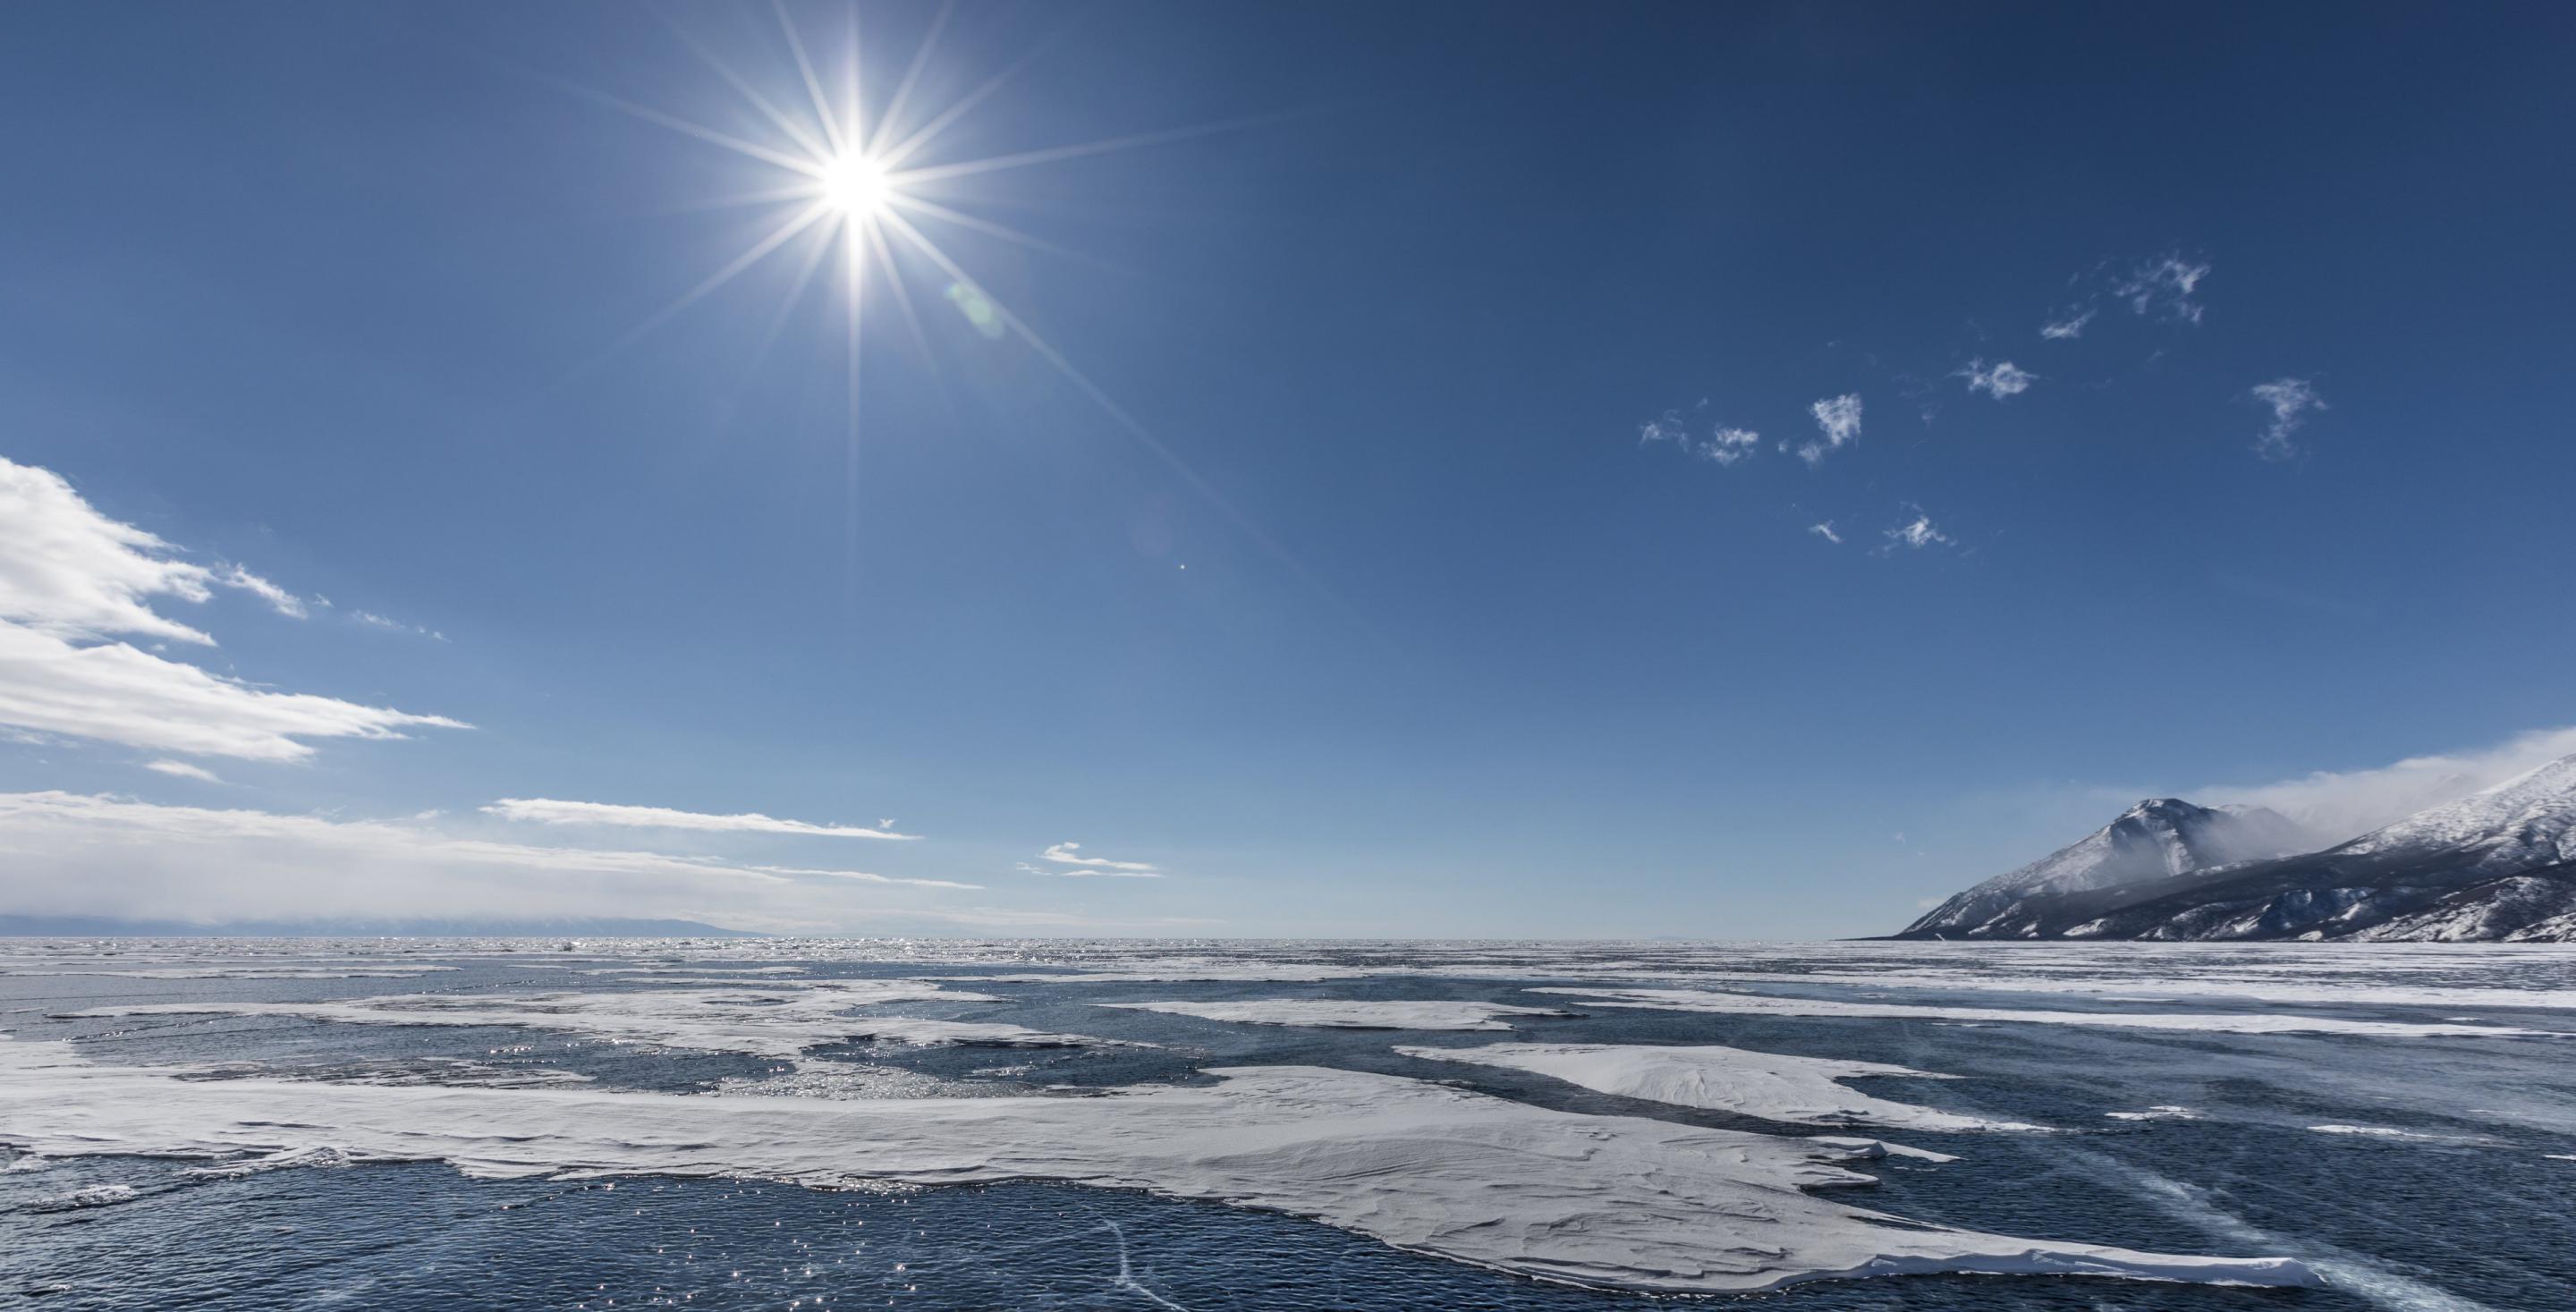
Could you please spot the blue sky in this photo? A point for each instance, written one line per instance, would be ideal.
(1415, 592)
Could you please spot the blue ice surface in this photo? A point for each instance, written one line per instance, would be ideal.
(2474, 1214)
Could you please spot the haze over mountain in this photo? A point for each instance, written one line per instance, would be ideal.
(2499, 864)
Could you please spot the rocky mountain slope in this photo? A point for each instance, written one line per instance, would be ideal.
(2498, 865)
(2156, 839)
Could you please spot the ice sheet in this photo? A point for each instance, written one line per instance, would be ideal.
(768, 1021)
(1763, 1004)
(1605, 1201)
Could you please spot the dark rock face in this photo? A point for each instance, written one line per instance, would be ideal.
(2496, 866)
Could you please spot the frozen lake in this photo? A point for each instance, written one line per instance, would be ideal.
(941, 1124)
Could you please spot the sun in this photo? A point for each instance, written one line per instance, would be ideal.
(854, 185)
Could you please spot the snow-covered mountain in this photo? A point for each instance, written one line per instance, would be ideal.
(2497, 865)
(2157, 838)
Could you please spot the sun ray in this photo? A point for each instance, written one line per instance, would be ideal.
(911, 76)
(1135, 427)
(854, 104)
(795, 131)
(902, 297)
(735, 144)
(817, 251)
(931, 130)
(1052, 154)
(823, 114)
(802, 191)
(986, 226)
(760, 250)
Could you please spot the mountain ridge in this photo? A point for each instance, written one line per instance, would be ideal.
(2497, 865)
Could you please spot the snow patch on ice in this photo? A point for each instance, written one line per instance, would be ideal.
(1388, 1014)
(1772, 1086)
(2159, 1112)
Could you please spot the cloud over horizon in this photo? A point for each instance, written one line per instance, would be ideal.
(77, 854)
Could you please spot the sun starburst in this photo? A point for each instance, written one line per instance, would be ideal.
(851, 187)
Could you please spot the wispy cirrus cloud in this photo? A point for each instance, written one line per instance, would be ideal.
(1070, 854)
(1915, 534)
(2290, 400)
(2167, 286)
(375, 621)
(2068, 327)
(183, 770)
(542, 810)
(74, 583)
(1826, 531)
(278, 599)
(2004, 379)
(1724, 444)
(1837, 425)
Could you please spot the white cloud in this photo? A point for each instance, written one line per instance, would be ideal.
(1838, 420)
(278, 599)
(183, 770)
(1916, 533)
(2290, 400)
(115, 693)
(70, 854)
(2347, 803)
(1666, 427)
(2068, 328)
(2003, 380)
(1724, 445)
(69, 572)
(1826, 531)
(71, 579)
(1070, 854)
(2164, 285)
(547, 811)
(376, 621)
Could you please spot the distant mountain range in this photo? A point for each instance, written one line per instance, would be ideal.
(575, 927)
(2496, 866)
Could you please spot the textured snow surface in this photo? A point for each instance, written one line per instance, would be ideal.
(1754, 1004)
(1350, 1015)
(1773, 1086)
(2528, 820)
(1605, 1201)
(779, 1019)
